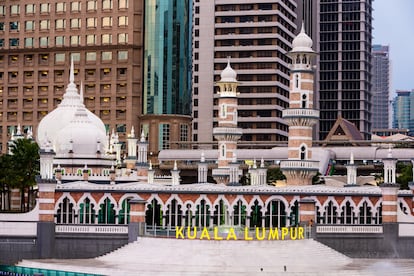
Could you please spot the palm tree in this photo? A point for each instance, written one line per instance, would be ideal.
(26, 165)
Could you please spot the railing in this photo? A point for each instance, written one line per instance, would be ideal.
(92, 229)
(350, 229)
(293, 112)
(300, 164)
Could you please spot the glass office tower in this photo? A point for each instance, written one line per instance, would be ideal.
(167, 60)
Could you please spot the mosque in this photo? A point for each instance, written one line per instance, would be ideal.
(92, 199)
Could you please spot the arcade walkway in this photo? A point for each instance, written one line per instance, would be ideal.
(160, 256)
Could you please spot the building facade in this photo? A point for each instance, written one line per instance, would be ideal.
(343, 38)
(38, 41)
(167, 73)
(381, 107)
(256, 36)
(403, 113)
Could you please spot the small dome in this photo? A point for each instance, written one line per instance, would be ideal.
(228, 74)
(302, 42)
(81, 136)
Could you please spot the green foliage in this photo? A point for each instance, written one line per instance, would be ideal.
(405, 172)
(18, 170)
(316, 179)
(274, 174)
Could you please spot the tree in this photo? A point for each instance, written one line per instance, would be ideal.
(405, 175)
(6, 180)
(274, 174)
(26, 165)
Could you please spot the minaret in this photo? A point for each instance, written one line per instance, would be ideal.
(300, 116)
(132, 150)
(351, 174)
(227, 133)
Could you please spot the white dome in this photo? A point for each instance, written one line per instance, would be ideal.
(56, 120)
(302, 42)
(228, 74)
(81, 136)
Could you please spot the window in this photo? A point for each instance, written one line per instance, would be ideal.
(75, 6)
(122, 4)
(123, 21)
(1, 42)
(60, 7)
(91, 5)
(60, 57)
(164, 131)
(122, 38)
(29, 25)
(91, 22)
(122, 55)
(74, 40)
(30, 8)
(107, 4)
(106, 39)
(90, 56)
(106, 56)
(60, 41)
(44, 24)
(75, 23)
(90, 39)
(44, 8)
(107, 21)
(14, 26)
(14, 9)
(75, 56)
(1, 26)
(14, 42)
(44, 41)
(60, 24)
(2, 10)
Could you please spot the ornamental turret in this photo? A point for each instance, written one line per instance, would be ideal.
(227, 133)
(300, 116)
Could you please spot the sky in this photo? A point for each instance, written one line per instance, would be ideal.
(394, 26)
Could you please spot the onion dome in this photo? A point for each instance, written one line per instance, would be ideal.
(81, 137)
(228, 74)
(53, 122)
(302, 42)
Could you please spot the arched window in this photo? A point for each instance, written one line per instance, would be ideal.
(297, 59)
(223, 111)
(304, 59)
(256, 215)
(87, 212)
(223, 151)
(347, 214)
(303, 152)
(123, 216)
(153, 215)
(106, 214)
(296, 81)
(304, 101)
(220, 214)
(202, 214)
(239, 214)
(174, 214)
(65, 213)
(365, 214)
(276, 214)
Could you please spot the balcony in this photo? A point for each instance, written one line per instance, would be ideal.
(307, 165)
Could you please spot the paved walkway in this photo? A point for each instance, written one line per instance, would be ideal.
(160, 256)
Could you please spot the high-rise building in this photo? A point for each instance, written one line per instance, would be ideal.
(343, 40)
(167, 73)
(380, 87)
(403, 111)
(37, 42)
(256, 36)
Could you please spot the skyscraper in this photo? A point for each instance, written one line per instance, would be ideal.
(37, 42)
(403, 107)
(167, 83)
(256, 36)
(380, 87)
(343, 39)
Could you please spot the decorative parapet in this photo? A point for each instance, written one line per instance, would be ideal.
(310, 165)
(349, 229)
(92, 229)
(300, 112)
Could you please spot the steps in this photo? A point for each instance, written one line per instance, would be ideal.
(162, 256)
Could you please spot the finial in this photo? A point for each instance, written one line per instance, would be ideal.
(302, 30)
(175, 165)
(72, 73)
(254, 164)
(389, 152)
(81, 92)
(351, 158)
(150, 165)
(142, 136)
(262, 163)
(203, 158)
(132, 132)
(234, 159)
